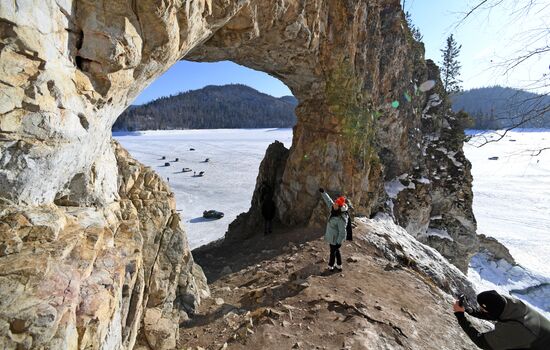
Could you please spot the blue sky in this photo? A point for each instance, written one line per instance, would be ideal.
(487, 38)
(185, 75)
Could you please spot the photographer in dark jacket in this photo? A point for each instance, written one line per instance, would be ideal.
(517, 326)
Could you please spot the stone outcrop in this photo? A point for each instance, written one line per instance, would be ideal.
(435, 200)
(101, 278)
(269, 179)
(349, 139)
(114, 262)
(495, 249)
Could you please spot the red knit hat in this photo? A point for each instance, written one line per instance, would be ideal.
(341, 201)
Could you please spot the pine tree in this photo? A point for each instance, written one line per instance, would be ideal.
(414, 30)
(450, 67)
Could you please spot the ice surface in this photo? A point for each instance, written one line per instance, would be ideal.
(512, 204)
(512, 195)
(230, 175)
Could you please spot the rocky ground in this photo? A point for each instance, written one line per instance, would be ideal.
(274, 292)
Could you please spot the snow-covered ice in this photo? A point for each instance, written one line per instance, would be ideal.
(511, 194)
(230, 175)
(512, 204)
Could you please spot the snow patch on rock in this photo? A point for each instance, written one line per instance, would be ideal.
(423, 180)
(395, 186)
(398, 245)
(451, 156)
(433, 101)
(441, 233)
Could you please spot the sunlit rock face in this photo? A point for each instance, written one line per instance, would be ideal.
(365, 118)
(97, 277)
(92, 254)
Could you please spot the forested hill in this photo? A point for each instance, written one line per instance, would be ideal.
(499, 107)
(212, 107)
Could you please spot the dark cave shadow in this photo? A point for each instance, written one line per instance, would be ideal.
(238, 255)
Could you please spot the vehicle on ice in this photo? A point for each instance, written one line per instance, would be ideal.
(212, 214)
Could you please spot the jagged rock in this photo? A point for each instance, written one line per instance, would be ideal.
(78, 275)
(103, 227)
(495, 249)
(400, 247)
(161, 333)
(268, 180)
(232, 320)
(112, 50)
(438, 191)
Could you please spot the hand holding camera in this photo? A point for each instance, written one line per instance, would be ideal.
(458, 306)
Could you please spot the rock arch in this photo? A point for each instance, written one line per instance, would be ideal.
(69, 68)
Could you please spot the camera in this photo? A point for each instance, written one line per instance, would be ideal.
(461, 298)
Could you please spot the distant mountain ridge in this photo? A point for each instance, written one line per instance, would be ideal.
(501, 107)
(212, 107)
(240, 106)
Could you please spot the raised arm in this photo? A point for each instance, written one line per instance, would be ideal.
(326, 198)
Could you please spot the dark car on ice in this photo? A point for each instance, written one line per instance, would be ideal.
(212, 214)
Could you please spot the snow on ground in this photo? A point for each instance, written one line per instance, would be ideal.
(512, 204)
(230, 174)
(511, 194)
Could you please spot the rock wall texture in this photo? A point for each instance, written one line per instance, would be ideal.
(98, 278)
(346, 62)
(92, 254)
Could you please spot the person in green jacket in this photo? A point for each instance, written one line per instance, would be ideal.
(336, 228)
(518, 326)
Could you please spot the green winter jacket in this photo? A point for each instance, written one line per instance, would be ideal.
(518, 327)
(336, 225)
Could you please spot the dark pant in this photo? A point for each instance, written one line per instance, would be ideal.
(268, 227)
(335, 253)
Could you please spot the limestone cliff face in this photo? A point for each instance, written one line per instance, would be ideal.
(100, 278)
(346, 62)
(435, 203)
(116, 266)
